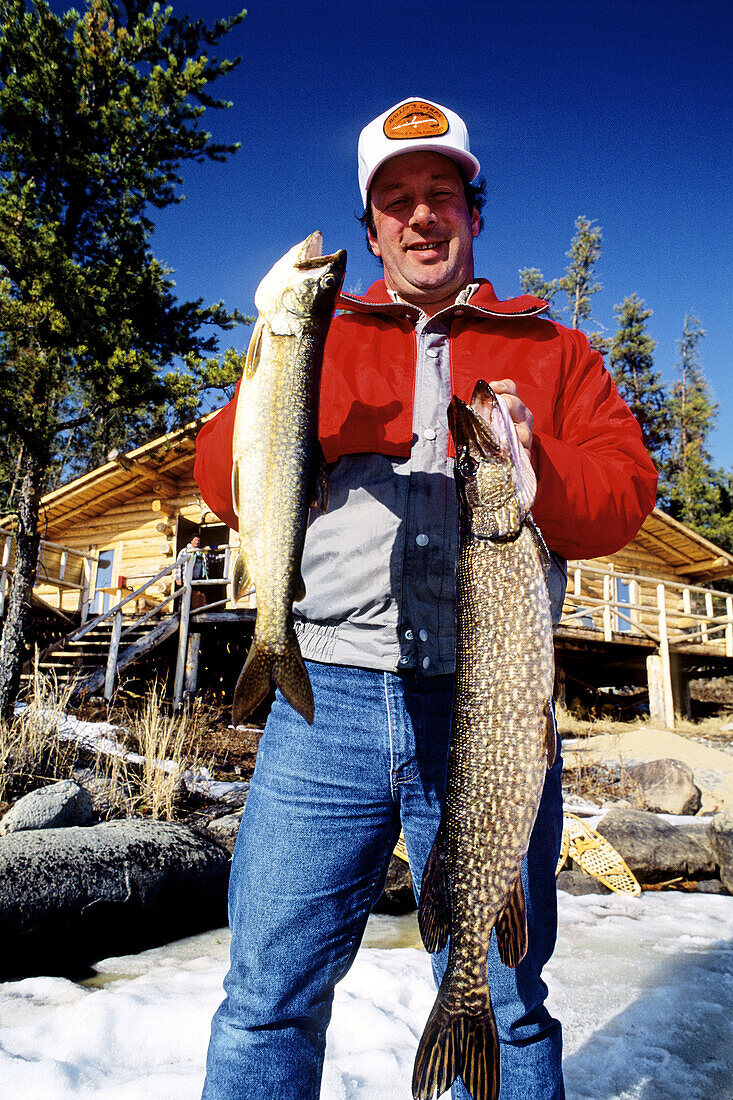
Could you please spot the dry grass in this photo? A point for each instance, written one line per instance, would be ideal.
(31, 750)
(160, 747)
(143, 776)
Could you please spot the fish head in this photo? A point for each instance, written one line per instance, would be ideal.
(494, 478)
(301, 289)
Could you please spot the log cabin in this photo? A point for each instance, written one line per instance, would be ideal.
(648, 617)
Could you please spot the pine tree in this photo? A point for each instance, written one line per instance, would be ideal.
(640, 385)
(533, 282)
(97, 112)
(577, 282)
(692, 486)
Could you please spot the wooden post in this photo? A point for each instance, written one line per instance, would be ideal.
(729, 626)
(114, 646)
(607, 589)
(86, 580)
(4, 573)
(654, 681)
(709, 612)
(666, 672)
(184, 616)
(192, 665)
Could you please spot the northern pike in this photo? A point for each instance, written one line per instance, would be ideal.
(502, 742)
(275, 432)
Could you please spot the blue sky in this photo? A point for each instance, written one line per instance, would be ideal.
(614, 109)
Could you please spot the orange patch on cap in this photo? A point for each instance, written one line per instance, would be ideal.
(415, 120)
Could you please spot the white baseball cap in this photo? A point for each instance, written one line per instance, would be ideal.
(414, 124)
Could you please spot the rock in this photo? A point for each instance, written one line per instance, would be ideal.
(61, 804)
(720, 832)
(665, 787)
(397, 896)
(577, 883)
(656, 851)
(105, 798)
(69, 896)
(710, 886)
(224, 829)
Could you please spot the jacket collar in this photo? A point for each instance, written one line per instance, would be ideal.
(483, 301)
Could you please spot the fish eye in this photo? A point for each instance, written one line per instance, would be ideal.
(465, 464)
(328, 281)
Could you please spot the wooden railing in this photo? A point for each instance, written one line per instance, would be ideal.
(173, 611)
(60, 566)
(673, 617)
(619, 605)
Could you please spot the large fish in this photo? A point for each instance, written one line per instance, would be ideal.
(502, 741)
(274, 438)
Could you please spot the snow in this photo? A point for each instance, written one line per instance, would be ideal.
(644, 987)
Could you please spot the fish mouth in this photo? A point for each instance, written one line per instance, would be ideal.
(468, 428)
(310, 255)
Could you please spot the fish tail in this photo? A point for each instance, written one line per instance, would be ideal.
(457, 1043)
(265, 667)
(291, 676)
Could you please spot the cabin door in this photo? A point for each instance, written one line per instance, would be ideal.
(104, 594)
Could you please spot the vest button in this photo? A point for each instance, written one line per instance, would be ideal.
(422, 540)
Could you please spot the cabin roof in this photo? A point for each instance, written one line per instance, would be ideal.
(150, 470)
(153, 470)
(691, 556)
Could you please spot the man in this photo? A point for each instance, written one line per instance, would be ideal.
(200, 570)
(377, 627)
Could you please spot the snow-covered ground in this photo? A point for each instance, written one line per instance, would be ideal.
(644, 988)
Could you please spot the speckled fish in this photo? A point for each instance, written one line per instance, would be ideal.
(274, 438)
(502, 741)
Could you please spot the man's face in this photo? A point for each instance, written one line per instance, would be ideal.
(195, 542)
(424, 231)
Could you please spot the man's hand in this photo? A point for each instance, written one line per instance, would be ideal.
(520, 414)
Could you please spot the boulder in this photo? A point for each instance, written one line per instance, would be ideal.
(720, 832)
(397, 896)
(53, 807)
(656, 851)
(577, 883)
(224, 829)
(105, 796)
(69, 896)
(665, 787)
(710, 886)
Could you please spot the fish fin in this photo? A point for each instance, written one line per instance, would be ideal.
(241, 577)
(263, 668)
(511, 928)
(318, 487)
(253, 683)
(291, 676)
(252, 361)
(457, 1044)
(434, 911)
(299, 588)
(550, 734)
(235, 488)
(544, 553)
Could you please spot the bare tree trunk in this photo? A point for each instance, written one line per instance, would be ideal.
(17, 621)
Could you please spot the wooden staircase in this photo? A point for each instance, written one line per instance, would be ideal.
(82, 662)
(92, 657)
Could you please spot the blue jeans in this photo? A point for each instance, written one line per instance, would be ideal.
(325, 807)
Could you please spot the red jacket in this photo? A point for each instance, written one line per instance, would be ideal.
(596, 482)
